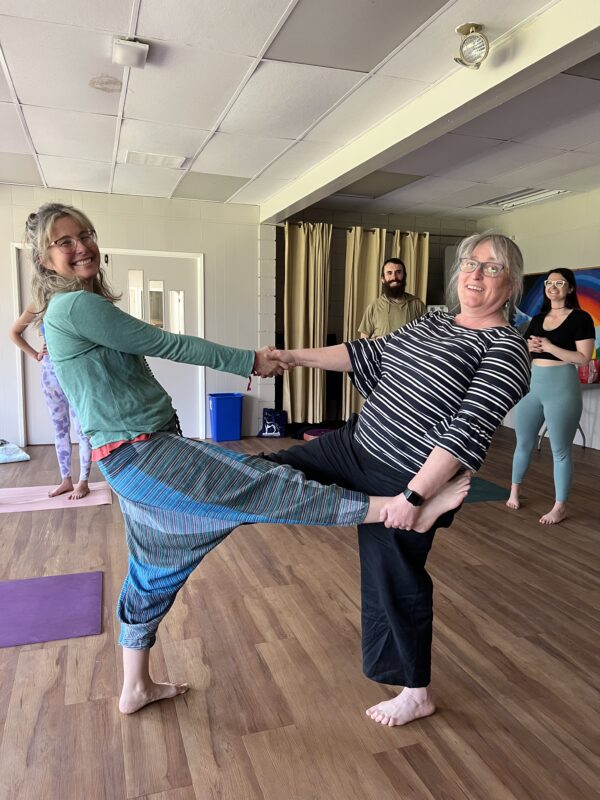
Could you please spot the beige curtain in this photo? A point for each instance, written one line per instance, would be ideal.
(365, 253)
(413, 249)
(306, 304)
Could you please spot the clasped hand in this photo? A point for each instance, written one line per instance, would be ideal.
(399, 513)
(269, 362)
(538, 344)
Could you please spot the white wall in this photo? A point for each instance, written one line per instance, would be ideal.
(239, 298)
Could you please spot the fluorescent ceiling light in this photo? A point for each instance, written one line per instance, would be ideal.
(524, 197)
(154, 160)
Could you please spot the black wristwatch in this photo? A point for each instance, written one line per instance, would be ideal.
(414, 498)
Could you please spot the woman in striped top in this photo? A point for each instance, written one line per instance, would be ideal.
(179, 497)
(436, 390)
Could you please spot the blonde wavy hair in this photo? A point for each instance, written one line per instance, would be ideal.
(45, 282)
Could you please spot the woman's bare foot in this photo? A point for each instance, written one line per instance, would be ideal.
(138, 687)
(513, 501)
(407, 706)
(450, 496)
(556, 514)
(80, 490)
(66, 485)
(137, 697)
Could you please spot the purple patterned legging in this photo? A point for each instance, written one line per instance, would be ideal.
(61, 414)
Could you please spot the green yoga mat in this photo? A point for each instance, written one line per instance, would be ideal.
(482, 491)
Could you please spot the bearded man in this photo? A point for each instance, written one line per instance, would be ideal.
(394, 307)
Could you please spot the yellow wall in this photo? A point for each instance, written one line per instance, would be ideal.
(564, 232)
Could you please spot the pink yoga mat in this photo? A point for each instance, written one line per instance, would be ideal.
(35, 498)
(51, 608)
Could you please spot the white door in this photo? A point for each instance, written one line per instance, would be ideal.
(180, 290)
(164, 292)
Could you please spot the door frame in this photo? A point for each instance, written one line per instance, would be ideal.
(16, 247)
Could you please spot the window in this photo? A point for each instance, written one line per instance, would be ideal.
(176, 312)
(156, 303)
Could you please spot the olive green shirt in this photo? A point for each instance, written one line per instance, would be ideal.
(384, 316)
(98, 355)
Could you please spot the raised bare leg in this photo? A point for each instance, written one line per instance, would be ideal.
(66, 485)
(80, 490)
(409, 705)
(556, 514)
(513, 501)
(138, 687)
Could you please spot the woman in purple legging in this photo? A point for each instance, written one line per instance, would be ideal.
(61, 413)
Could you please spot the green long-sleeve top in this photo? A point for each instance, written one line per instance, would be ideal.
(98, 355)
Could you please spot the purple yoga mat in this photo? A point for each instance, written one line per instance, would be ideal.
(46, 609)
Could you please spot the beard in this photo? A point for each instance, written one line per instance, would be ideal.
(393, 292)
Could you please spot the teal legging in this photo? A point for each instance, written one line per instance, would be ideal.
(554, 396)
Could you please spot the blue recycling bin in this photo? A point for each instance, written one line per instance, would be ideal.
(225, 410)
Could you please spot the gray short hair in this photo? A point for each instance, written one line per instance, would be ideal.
(506, 251)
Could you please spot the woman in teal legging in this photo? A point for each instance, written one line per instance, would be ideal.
(560, 338)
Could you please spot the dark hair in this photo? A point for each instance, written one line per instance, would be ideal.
(397, 261)
(571, 300)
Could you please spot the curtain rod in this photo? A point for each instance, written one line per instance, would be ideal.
(389, 233)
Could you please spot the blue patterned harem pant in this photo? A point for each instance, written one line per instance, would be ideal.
(180, 498)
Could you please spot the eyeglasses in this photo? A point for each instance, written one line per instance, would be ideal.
(68, 244)
(489, 268)
(559, 284)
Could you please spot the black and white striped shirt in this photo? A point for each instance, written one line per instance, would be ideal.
(433, 383)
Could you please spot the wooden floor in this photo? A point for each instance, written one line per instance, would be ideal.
(267, 634)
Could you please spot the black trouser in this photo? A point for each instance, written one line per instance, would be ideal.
(396, 590)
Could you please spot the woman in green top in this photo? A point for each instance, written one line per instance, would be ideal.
(179, 497)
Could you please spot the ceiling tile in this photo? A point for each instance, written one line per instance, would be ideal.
(5, 96)
(573, 132)
(18, 168)
(260, 190)
(202, 186)
(442, 154)
(71, 134)
(592, 147)
(12, 137)
(149, 181)
(71, 173)
(283, 100)
(480, 193)
(110, 15)
(376, 99)
(425, 190)
(547, 174)
(227, 154)
(299, 159)
(583, 180)
(506, 156)
(353, 36)
(214, 24)
(68, 59)
(537, 110)
(151, 137)
(163, 91)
